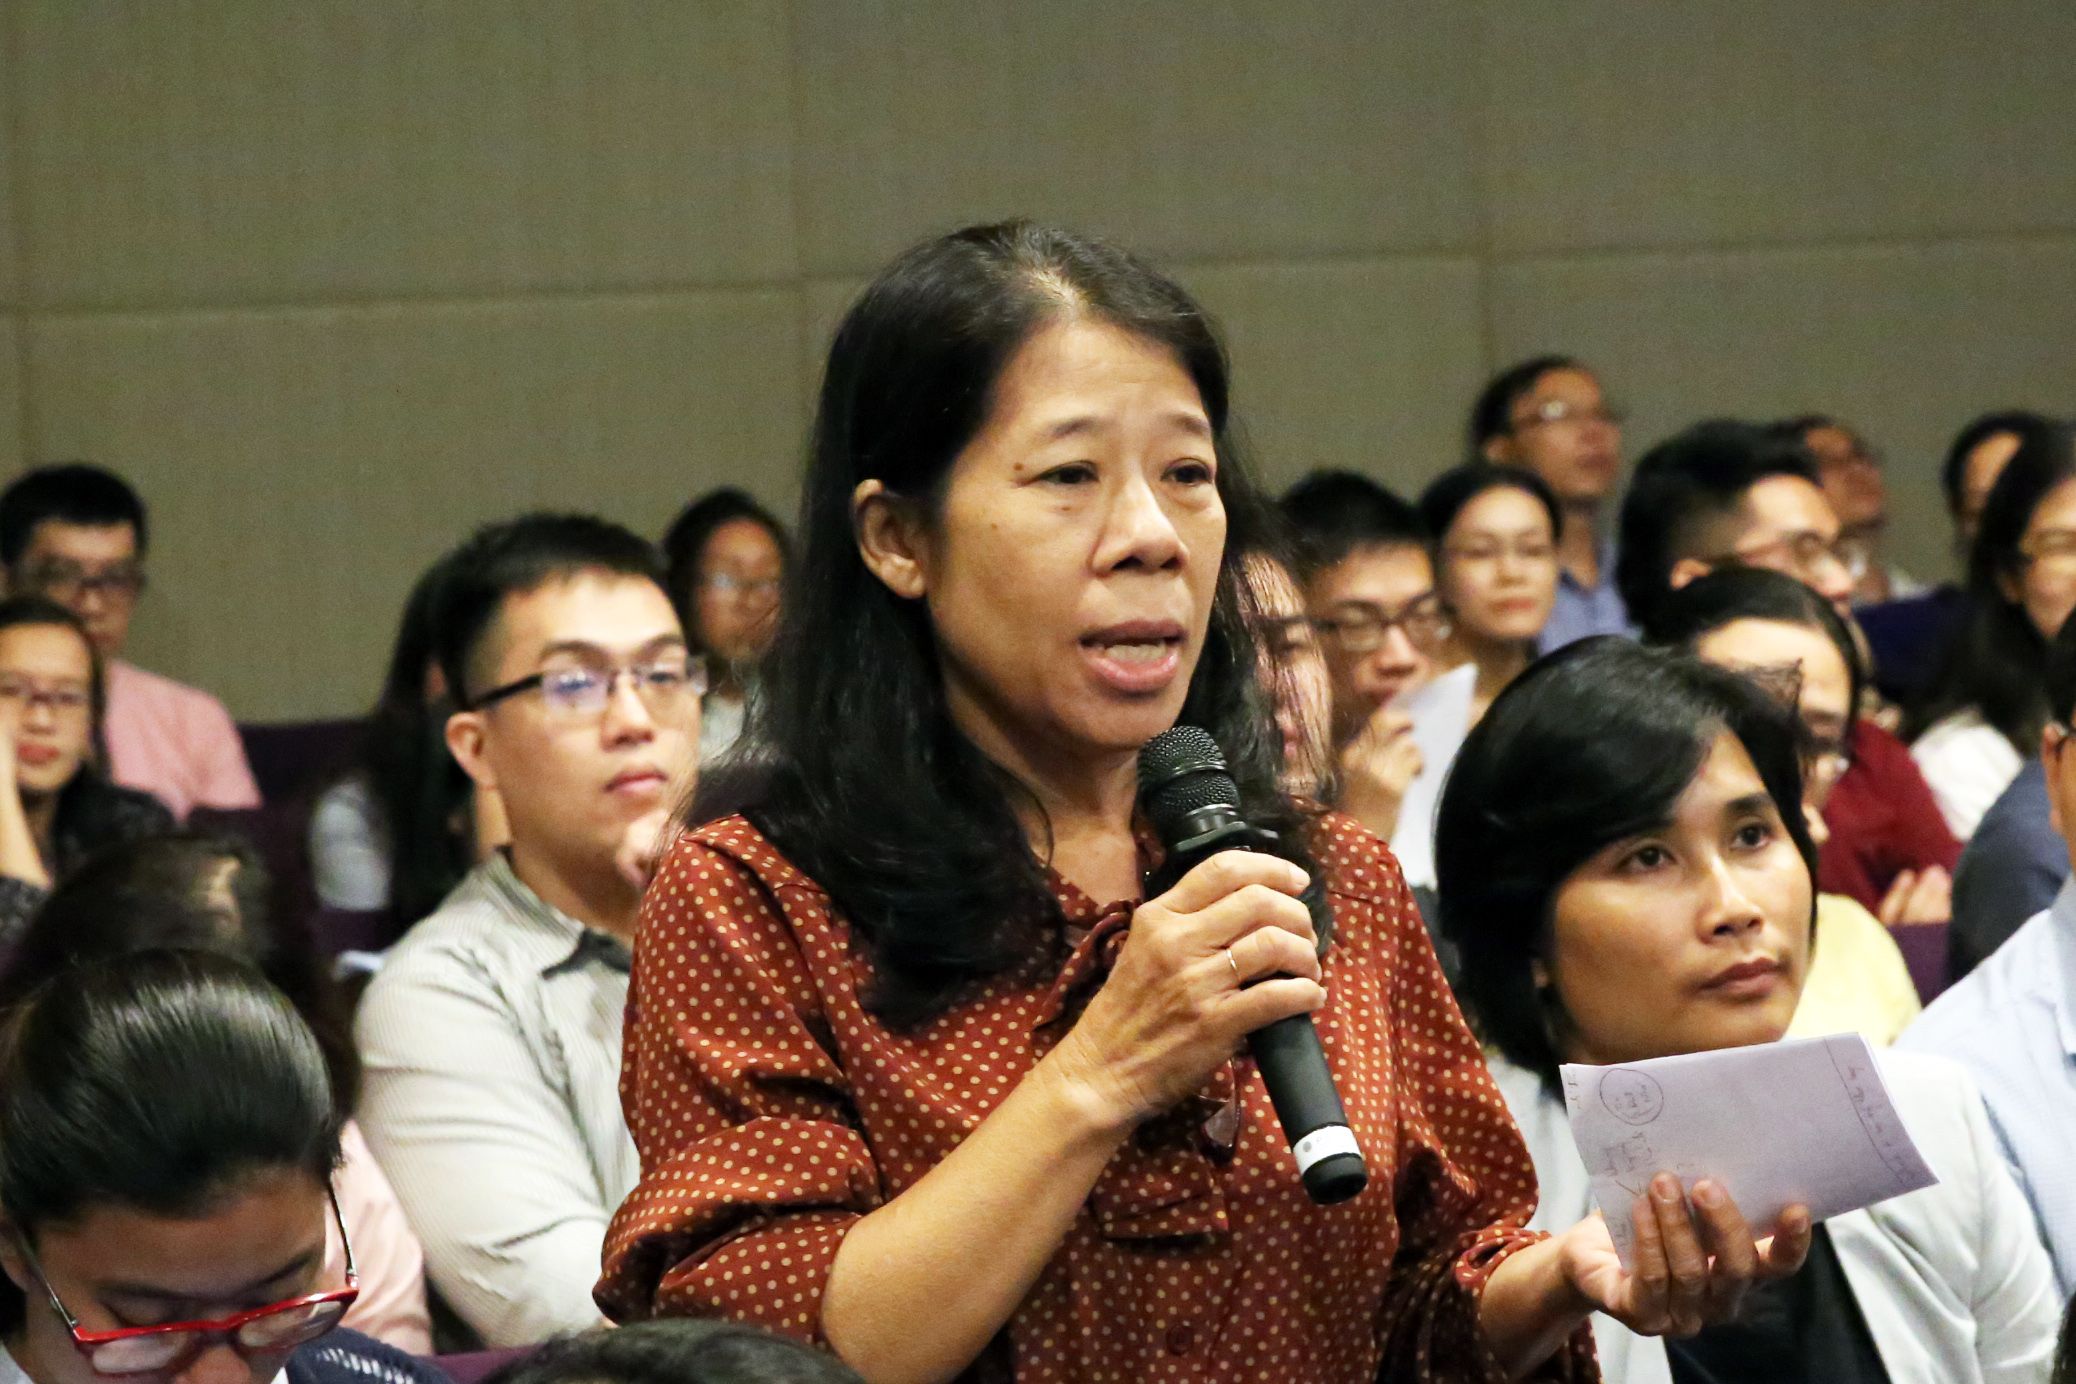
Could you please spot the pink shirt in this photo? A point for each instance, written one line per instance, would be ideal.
(174, 742)
(391, 1306)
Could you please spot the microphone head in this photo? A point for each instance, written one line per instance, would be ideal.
(1182, 771)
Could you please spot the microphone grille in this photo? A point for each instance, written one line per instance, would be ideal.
(1182, 771)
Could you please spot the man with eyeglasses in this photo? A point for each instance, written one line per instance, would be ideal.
(1368, 582)
(1549, 415)
(77, 534)
(491, 1036)
(1727, 494)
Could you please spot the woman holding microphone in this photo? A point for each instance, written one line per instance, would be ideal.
(916, 1070)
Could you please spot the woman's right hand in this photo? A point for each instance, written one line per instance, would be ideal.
(1230, 948)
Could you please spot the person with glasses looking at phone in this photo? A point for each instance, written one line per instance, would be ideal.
(1985, 718)
(77, 534)
(491, 1036)
(727, 562)
(1549, 415)
(166, 1185)
(56, 806)
(1725, 493)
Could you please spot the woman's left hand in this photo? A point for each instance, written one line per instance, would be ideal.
(1695, 1258)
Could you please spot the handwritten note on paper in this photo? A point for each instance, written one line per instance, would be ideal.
(1807, 1121)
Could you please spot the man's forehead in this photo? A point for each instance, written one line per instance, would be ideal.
(1787, 504)
(83, 542)
(615, 614)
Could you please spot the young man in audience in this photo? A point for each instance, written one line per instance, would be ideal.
(1369, 587)
(1549, 415)
(2012, 1022)
(1851, 475)
(491, 1036)
(1726, 493)
(77, 534)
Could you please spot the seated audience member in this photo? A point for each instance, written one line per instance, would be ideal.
(166, 1185)
(399, 831)
(1627, 874)
(2011, 868)
(1909, 637)
(77, 534)
(726, 562)
(1728, 494)
(677, 1352)
(1368, 581)
(1991, 703)
(1495, 531)
(1549, 416)
(1850, 473)
(191, 891)
(1776, 630)
(2012, 1021)
(491, 1036)
(56, 807)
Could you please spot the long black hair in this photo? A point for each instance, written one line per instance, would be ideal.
(187, 890)
(859, 774)
(1998, 667)
(676, 1351)
(160, 1082)
(1593, 744)
(422, 797)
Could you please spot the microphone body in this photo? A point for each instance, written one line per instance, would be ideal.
(1195, 806)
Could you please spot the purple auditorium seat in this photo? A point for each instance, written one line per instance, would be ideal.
(1924, 951)
(478, 1365)
(292, 759)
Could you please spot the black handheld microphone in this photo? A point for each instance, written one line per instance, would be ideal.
(1189, 793)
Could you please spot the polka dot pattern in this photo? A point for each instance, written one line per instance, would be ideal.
(772, 1111)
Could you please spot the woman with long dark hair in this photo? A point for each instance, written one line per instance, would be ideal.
(57, 805)
(1985, 719)
(168, 1133)
(192, 890)
(397, 833)
(1627, 872)
(915, 1067)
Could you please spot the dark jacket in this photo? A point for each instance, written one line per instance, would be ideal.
(92, 813)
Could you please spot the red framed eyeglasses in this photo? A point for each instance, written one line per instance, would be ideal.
(173, 1346)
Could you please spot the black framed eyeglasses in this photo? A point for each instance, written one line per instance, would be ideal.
(173, 1346)
(663, 685)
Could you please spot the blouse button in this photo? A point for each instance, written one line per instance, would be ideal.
(1181, 1339)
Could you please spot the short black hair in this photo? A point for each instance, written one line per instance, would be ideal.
(1332, 514)
(512, 558)
(72, 492)
(2023, 424)
(1492, 415)
(1448, 494)
(1593, 744)
(676, 1351)
(1684, 485)
(1729, 594)
(684, 543)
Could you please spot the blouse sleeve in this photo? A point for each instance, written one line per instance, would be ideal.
(1466, 1187)
(753, 1167)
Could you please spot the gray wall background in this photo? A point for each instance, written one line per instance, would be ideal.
(334, 280)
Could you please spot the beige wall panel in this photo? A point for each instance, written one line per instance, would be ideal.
(243, 150)
(1356, 365)
(1365, 365)
(10, 267)
(1906, 343)
(1193, 131)
(304, 466)
(10, 394)
(1618, 124)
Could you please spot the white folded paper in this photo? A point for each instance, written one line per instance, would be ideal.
(1807, 1121)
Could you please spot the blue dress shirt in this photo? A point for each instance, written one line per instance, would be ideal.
(1582, 610)
(2012, 1024)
